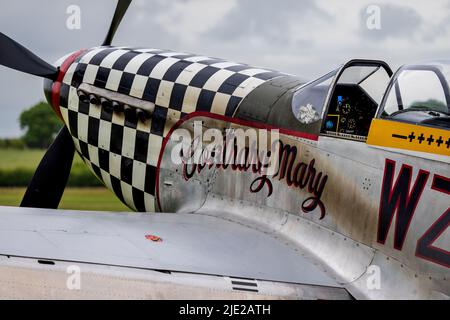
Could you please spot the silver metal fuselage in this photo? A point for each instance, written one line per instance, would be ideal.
(339, 233)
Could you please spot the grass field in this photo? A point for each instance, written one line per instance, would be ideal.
(12, 158)
(26, 159)
(93, 198)
(90, 199)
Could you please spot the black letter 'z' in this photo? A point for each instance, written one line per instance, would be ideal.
(425, 248)
(400, 200)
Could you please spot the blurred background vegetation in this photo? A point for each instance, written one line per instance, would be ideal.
(19, 158)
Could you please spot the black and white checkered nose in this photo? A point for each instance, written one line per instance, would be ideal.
(121, 103)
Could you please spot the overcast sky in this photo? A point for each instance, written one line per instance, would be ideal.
(303, 37)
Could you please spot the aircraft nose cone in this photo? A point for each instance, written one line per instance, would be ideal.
(52, 95)
(52, 89)
(48, 90)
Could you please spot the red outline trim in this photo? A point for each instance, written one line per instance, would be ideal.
(383, 184)
(395, 211)
(430, 245)
(258, 125)
(56, 85)
(433, 186)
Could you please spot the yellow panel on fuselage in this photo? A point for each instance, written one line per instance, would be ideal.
(407, 136)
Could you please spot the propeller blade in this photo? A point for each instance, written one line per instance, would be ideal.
(16, 56)
(49, 181)
(122, 6)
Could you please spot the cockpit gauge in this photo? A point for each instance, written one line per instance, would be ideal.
(351, 125)
(346, 108)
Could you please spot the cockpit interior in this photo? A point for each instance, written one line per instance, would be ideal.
(345, 100)
(351, 111)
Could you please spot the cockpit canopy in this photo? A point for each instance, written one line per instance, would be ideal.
(419, 94)
(344, 100)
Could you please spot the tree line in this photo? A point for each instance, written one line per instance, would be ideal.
(41, 126)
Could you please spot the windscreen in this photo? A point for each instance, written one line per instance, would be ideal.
(308, 102)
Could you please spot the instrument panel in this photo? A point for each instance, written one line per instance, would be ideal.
(351, 111)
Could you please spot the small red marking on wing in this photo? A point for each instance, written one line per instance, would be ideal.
(153, 238)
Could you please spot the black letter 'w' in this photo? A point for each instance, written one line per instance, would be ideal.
(399, 199)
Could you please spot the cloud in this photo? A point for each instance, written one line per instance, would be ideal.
(188, 20)
(439, 31)
(304, 37)
(398, 22)
(268, 22)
